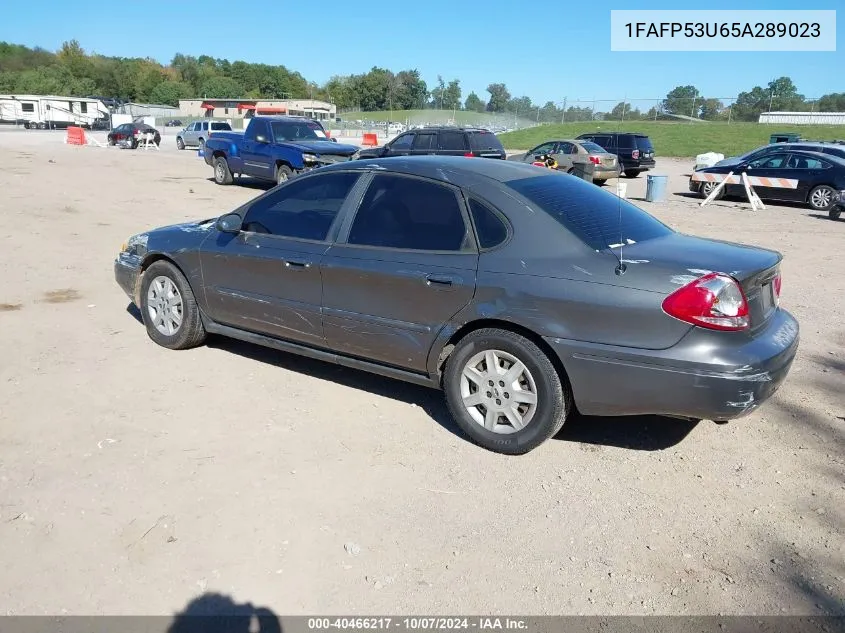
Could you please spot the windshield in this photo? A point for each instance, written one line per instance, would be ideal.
(590, 213)
(593, 148)
(295, 131)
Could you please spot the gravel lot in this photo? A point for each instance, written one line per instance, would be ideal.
(134, 479)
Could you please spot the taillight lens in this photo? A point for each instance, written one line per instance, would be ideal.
(595, 160)
(776, 282)
(635, 154)
(714, 301)
(469, 155)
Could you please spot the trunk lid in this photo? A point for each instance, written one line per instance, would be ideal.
(667, 263)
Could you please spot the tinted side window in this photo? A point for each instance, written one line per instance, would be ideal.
(602, 140)
(773, 161)
(489, 228)
(401, 212)
(403, 142)
(426, 141)
(626, 141)
(589, 213)
(220, 126)
(802, 162)
(303, 209)
(452, 141)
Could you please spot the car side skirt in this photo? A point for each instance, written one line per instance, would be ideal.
(319, 354)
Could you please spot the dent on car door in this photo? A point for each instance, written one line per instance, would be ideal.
(266, 278)
(402, 267)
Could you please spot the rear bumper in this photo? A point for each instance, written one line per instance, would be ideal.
(603, 173)
(707, 375)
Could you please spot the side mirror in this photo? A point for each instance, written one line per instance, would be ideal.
(260, 138)
(333, 139)
(229, 223)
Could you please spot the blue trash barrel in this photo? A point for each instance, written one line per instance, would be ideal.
(655, 188)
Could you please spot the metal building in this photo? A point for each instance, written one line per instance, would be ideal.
(803, 118)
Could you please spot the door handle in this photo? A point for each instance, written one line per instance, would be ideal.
(296, 264)
(447, 281)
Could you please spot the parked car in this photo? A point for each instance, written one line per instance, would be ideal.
(132, 133)
(820, 178)
(273, 148)
(568, 152)
(834, 149)
(634, 151)
(505, 285)
(173, 123)
(196, 134)
(442, 141)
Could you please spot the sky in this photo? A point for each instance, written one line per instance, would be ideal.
(549, 50)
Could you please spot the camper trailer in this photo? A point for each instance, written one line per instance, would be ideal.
(50, 112)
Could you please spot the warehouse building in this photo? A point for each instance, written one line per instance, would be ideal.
(137, 110)
(804, 118)
(246, 108)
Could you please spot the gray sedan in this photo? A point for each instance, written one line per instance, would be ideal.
(524, 294)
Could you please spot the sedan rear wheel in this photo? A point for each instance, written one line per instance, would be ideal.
(504, 392)
(822, 197)
(180, 144)
(168, 308)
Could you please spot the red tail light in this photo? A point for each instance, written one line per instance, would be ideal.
(595, 160)
(635, 154)
(776, 282)
(469, 155)
(714, 301)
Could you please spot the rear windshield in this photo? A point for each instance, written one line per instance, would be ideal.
(644, 143)
(485, 141)
(593, 148)
(221, 126)
(590, 213)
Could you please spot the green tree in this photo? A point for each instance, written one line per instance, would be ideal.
(833, 102)
(221, 88)
(474, 103)
(711, 109)
(170, 92)
(499, 97)
(682, 100)
(452, 95)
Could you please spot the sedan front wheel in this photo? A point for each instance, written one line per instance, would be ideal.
(168, 308)
(504, 392)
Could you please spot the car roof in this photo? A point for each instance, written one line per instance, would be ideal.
(450, 128)
(458, 170)
(614, 133)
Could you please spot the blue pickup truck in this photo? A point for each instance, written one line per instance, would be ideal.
(273, 148)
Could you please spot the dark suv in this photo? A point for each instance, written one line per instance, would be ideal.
(444, 141)
(635, 151)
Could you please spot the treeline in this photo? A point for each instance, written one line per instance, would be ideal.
(72, 72)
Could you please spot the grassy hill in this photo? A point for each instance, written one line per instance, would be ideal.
(674, 138)
(462, 117)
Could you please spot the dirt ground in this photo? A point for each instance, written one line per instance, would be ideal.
(134, 479)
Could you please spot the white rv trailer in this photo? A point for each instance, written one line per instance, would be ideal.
(52, 112)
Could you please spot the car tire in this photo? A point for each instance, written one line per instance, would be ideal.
(821, 198)
(201, 145)
(834, 213)
(631, 173)
(706, 188)
(166, 292)
(600, 182)
(180, 144)
(112, 142)
(283, 174)
(553, 400)
(222, 173)
(133, 144)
